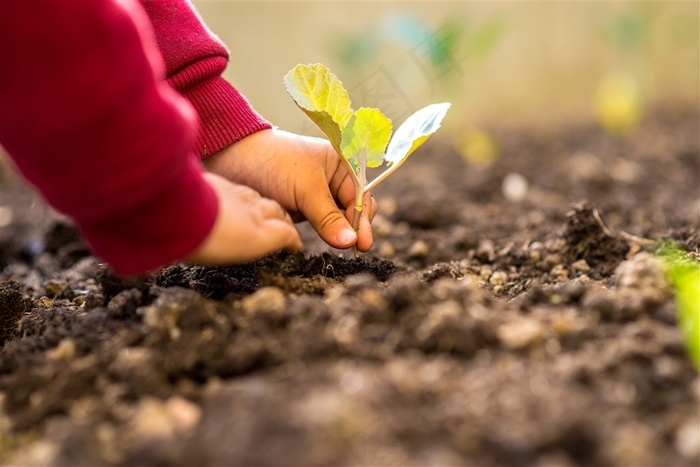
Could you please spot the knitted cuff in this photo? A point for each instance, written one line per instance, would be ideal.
(225, 116)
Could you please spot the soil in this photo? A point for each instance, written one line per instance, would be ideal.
(480, 330)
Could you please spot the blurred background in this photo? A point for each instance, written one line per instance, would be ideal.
(501, 64)
(514, 63)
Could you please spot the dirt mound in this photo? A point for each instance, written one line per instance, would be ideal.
(485, 331)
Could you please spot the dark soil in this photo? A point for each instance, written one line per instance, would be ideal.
(479, 331)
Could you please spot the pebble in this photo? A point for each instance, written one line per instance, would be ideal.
(587, 166)
(387, 250)
(419, 249)
(535, 251)
(65, 350)
(486, 251)
(157, 419)
(688, 438)
(581, 266)
(557, 244)
(520, 333)
(643, 271)
(152, 420)
(559, 271)
(266, 299)
(184, 414)
(360, 281)
(485, 273)
(373, 299)
(387, 206)
(553, 259)
(498, 278)
(625, 171)
(53, 287)
(381, 226)
(514, 187)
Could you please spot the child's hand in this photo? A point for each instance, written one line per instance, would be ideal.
(306, 176)
(248, 226)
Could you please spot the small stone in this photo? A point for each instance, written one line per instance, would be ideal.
(360, 281)
(643, 271)
(184, 414)
(270, 300)
(587, 166)
(520, 334)
(535, 251)
(151, 420)
(381, 226)
(625, 171)
(53, 288)
(486, 251)
(485, 273)
(387, 206)
(65, 350)
(688, 438)
(514, 187)
(583, 279)
(557, 244)
(43, 302)
(401, 228)
(581, 266)
(419, 249)
(553, 259)
(498, 278)
(562, 325)
(559, 271)
(386, 250)
(373, 299)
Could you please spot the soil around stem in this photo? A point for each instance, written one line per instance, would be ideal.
(480, 330)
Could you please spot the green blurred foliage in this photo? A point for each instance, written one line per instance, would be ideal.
(356, 50)
(684, 273)
(629, 29)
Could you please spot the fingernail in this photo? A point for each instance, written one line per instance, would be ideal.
(346, 237)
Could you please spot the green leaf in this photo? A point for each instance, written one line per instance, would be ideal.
(415, 131)
(322, 97)
(685, 277)
(365, 138)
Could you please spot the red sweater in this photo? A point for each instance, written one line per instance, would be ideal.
(89, 119)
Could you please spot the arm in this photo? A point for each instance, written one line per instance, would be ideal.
(194, 62)
(86, 119)
(297, 172)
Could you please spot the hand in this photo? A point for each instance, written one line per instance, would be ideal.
(248, 226)
(306, 176)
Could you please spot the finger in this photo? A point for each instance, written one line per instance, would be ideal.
(364, 232)
(271, 209)
(243, 192)
(344, 191)
(372, 208)
(281, 234)
(322, 212)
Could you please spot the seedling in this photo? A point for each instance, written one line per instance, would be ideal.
(362, 137)
(685, 278)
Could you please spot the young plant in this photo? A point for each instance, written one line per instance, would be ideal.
(685, 279)
(362, 137)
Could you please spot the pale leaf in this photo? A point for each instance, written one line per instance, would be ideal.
(365, 138)
(415, 131)
(322, 97)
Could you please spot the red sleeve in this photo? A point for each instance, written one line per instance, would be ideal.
(87, 119)
(194, 60)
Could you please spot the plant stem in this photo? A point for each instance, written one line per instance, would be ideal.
(369, 186)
